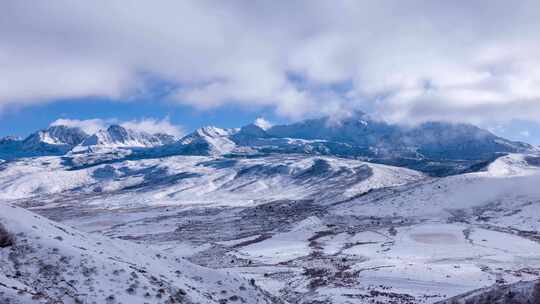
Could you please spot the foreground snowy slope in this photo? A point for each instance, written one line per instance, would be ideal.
(517, 293)
(51, 263)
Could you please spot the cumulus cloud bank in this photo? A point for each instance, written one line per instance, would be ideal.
(406, 61)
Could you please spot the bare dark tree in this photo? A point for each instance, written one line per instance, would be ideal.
(6, 239)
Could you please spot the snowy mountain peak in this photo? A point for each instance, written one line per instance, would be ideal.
(211, 131)
(56, 135)
(208, 141)
(56, 140)
(116, 136)
(118, 131)
(208, 133)
(166, 139)
(253, 131)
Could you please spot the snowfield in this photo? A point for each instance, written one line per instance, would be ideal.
(301, 229)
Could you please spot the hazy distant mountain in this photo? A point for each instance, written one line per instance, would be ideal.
(9, 139)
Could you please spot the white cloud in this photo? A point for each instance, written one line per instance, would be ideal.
(90, 126)
(263, 123)
(153, 126)
(407, 61)
(148, 125)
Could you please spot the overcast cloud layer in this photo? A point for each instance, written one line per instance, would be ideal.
(407, 61)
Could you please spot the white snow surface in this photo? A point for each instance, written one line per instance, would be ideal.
(196, 179)
(305, 228)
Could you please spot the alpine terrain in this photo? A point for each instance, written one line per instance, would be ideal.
(354, 210)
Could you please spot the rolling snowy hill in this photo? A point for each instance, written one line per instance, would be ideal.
(195, 179)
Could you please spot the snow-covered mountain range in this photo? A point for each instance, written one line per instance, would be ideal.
(434, 148)
(312, 212)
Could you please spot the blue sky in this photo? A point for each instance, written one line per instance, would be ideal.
(465, 61)
(25, 120)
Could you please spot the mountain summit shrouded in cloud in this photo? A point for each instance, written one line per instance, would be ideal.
(411, 61)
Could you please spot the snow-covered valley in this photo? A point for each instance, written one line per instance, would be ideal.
(303, 229)
(302, 213)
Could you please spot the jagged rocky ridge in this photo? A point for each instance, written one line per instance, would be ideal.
(117, 136)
